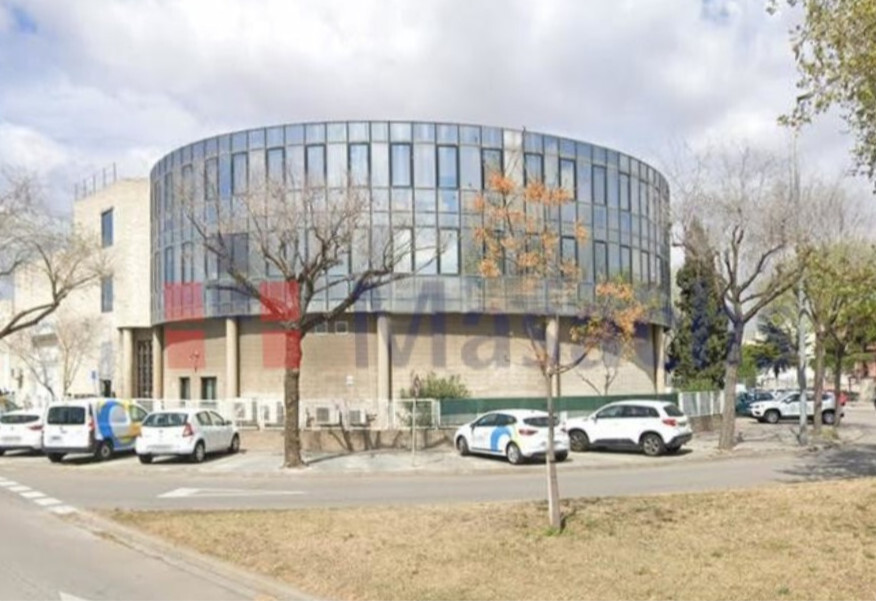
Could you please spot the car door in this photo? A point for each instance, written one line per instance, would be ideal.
(790, 406)
(636, 419)
(482, 430)
(223, 430)
(205, 427)
(606, 424)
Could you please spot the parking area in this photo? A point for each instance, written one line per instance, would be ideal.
(262, 454)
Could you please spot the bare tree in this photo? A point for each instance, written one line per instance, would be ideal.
(39, 249)
(743, 204)
(311, 243)
(55, 351)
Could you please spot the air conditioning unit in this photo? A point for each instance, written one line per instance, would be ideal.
(357, 417)
(324, 416)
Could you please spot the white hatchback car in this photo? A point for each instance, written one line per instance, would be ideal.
(188, 432)
(517, 434)
(655, 427)
(21, 430)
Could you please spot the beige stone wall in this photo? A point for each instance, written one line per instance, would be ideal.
(492, 355)
(188, 345)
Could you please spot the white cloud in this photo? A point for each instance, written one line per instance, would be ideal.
(129, 81)
(28, 149)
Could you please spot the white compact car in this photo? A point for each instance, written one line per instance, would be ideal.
(188, 432)
(517, 434)
(655, 427)
(21, 429)
(787, 406)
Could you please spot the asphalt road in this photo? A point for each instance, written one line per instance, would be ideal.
(108, 487)
(42, 556)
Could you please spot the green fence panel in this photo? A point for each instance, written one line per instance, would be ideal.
(459, 411)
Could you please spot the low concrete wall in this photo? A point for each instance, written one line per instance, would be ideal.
(338, 440)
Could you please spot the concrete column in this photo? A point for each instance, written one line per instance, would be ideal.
(157, 363)
(127, 391)
(232, 359)
(659, 360)
(384, 361)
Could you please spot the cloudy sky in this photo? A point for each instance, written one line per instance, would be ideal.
(89, 82)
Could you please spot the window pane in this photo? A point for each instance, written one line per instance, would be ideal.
(401, 165)
(169, 265)
(600, 259)
(448, 201)
(424, 166)
(469, 135)
(470, 167)
(567, 177)
(448, 134)
(359, 164)
(613, 260)
(400, 132)
(275, 136)
(295, 166)
(626, 259)
(403, 250)
(106, 227)
(315, 165)
(337, 132)
(447, 176)
(424, 132)
(424, 201)
(449, 251)
(276, 160)
(225, 176)
(337, 165)
(491, 137)
(426, 251)
(625, 192)
(533, 168)
(492, 163)
(598, 185)
(315, 133)
(379, 165)
(613, 193)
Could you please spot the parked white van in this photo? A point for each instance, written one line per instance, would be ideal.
(98, 427)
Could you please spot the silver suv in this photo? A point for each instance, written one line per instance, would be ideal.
(787, 406)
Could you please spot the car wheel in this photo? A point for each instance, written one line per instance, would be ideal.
(199, 453)
(652, 445)
(772, 416)
(56, 457)
(235, 444)
(104, 450)
(512, 452)
(462, 446)
(145, 459)
(561, 456)
(579, 441)
(828, 417)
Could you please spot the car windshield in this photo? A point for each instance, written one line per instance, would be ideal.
(18, 419)
(165, 420)
(673, 411)
(539, 422)
(66, 416)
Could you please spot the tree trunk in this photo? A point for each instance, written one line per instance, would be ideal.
(819, 382)
(837, 383)
(553, 487)
(291, 394)
(728, 417)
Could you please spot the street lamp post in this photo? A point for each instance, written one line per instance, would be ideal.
(415, 389)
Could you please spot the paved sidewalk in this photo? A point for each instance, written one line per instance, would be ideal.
(266, 457)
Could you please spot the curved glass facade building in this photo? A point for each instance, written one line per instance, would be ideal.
(421, 179)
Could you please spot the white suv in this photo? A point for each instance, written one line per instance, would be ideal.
(787, 406)
(655, 427)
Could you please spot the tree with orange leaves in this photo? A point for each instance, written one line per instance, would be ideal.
(521, 239)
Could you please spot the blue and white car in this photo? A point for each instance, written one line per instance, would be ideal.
(517, 434)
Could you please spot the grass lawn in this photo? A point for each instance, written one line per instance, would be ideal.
(802, 541)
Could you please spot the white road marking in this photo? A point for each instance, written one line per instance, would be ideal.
(46, 502)
(19, 488)
(180, 493)
(68, 597)
(62, 509)
(8, 484)
(32, 495)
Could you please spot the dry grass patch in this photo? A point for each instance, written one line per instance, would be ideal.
(802, 541)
